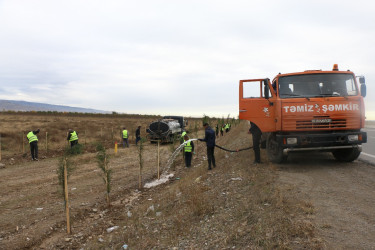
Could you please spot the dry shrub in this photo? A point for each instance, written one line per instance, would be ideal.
(197, 201)
(306, 207)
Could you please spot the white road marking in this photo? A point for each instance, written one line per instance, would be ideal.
(369, 155)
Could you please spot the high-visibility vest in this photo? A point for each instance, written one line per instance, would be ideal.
(226, 126)
(73, 136)
(125, 134)
(188, 147)
(32, 137)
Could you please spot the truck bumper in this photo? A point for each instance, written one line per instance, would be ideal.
(322, 141)
(287, 150)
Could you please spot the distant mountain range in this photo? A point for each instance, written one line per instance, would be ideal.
(10, 105)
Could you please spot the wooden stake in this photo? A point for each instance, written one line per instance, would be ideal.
(158, 160)
(196, 149)
(140, 168)
(107, 197)
(106, 181)
(47, 141)
(66, 198)
(23, 142)
(0, 147)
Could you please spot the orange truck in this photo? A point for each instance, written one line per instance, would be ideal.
(313, 110)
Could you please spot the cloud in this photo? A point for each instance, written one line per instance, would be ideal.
(173, 57)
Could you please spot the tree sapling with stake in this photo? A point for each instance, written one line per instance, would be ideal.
(65, 168)
(140, 154)
(103, 160)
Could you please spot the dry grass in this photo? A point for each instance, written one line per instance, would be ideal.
(237, 205)
(91, 129)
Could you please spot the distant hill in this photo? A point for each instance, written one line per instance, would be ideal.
(10, 105)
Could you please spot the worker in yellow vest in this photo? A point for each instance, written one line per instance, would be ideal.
(188, 151)
(72, 137)
(182, 140)
(125, 135)
(227, 128)
(182, 137)
(33, 141)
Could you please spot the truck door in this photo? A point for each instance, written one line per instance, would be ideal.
(257, 103)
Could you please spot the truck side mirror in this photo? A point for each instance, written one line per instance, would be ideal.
(362, 80)
(363, 89)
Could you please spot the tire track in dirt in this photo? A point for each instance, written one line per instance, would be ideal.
(342, 194)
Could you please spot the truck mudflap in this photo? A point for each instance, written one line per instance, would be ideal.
(321, 141)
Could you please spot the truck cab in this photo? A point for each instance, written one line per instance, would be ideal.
(313, 110)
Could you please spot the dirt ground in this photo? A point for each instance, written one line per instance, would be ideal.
(330, 203)
(343, 197)
(32, 206)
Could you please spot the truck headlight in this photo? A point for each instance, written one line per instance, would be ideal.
(352, 137)
(291, 140)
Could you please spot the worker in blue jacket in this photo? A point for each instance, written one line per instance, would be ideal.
(209, 138)
(257, 134)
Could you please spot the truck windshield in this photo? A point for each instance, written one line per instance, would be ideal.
(317, 85)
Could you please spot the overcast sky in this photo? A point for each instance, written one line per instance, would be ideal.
(174, 57)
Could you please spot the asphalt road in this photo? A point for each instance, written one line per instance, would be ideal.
(368, 149)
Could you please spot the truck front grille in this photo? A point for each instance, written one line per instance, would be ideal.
(308, 124)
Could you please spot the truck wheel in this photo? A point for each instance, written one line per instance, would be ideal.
(346, 154)
(274, 150)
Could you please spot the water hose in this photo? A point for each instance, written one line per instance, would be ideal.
(175, 153)
(233, 151)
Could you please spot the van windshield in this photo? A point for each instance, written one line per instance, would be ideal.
(317, 85)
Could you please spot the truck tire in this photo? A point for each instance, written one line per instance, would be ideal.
(346, 154)
(274, 150)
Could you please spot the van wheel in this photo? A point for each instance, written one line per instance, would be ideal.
(346, 154)
(274, 150)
